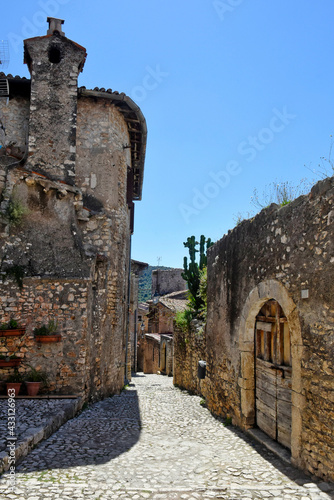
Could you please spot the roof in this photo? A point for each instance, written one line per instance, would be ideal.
(176, 301)
(153, 336)
(133, 116)
(137, 266)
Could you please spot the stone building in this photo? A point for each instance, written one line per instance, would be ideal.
(71, 167)
(165, 281)
(269, 334)
(135, 315)
(161, 317)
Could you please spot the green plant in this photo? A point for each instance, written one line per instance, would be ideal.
(203, 403)
(36, 376)
(183, 319)
(8, 357)
(49, 329)
(11, 325)
(280, 193)
(192, 271)
(227, 421)
(15, 378)
(15, 212)
(17, 272)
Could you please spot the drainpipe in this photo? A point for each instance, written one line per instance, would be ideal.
(126, 381)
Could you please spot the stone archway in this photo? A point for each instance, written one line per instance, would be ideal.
(263, 292)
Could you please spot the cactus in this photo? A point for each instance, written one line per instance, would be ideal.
(192, 271)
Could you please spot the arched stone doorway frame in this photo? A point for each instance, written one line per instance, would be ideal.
(264, 291)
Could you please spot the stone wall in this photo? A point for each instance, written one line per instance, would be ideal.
(72, 243)
(189, 349)
(39, 300)
(166, 281)
(286, 254)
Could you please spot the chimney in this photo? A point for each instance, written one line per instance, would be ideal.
(55, 25)
(54, 63)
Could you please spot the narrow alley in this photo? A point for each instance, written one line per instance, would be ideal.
(155, 442)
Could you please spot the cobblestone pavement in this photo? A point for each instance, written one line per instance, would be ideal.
(154, 442)
(30, 413)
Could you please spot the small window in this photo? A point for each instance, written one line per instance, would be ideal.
(54, 55)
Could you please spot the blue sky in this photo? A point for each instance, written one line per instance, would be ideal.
(236, 94)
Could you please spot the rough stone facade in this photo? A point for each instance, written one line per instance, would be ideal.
(189, 349)
(72, 163)
(165, 281)
(284, 255)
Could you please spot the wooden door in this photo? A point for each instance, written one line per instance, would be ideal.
(273, 373)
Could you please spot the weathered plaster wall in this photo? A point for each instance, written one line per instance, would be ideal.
(279, 254)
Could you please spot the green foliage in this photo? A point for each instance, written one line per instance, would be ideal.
(15, 378)
(36, 376)
(8, 357)
(203, 403)
(11, 325)
(183, 319)
(17, 272)
(49, 329)
(280, 193)
(227, 421)
(192, 271)
(15, 212)
(202, 292)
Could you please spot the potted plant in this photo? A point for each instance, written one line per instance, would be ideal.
(47, 333)
(33, 380)
(9, 361)
(11, 329)
(14, 381)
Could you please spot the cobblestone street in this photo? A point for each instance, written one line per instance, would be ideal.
(154, 442)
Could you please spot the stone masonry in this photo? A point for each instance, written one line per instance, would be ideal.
(287, 255)
(71, 165)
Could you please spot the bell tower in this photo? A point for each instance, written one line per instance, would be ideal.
(54, 63)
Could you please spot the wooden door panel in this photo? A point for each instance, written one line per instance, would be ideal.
(267, 424)
(273, 373)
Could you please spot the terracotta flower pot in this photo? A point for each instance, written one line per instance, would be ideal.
(13, 385)
(48, 339)
(33, 388)
(13, 332)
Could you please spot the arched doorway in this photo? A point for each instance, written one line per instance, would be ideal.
(262, 293)
(273, 373)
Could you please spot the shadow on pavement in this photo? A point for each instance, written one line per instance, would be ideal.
(288, 470)
(100, 433)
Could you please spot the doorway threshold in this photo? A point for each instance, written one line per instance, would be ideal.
(276, 448)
